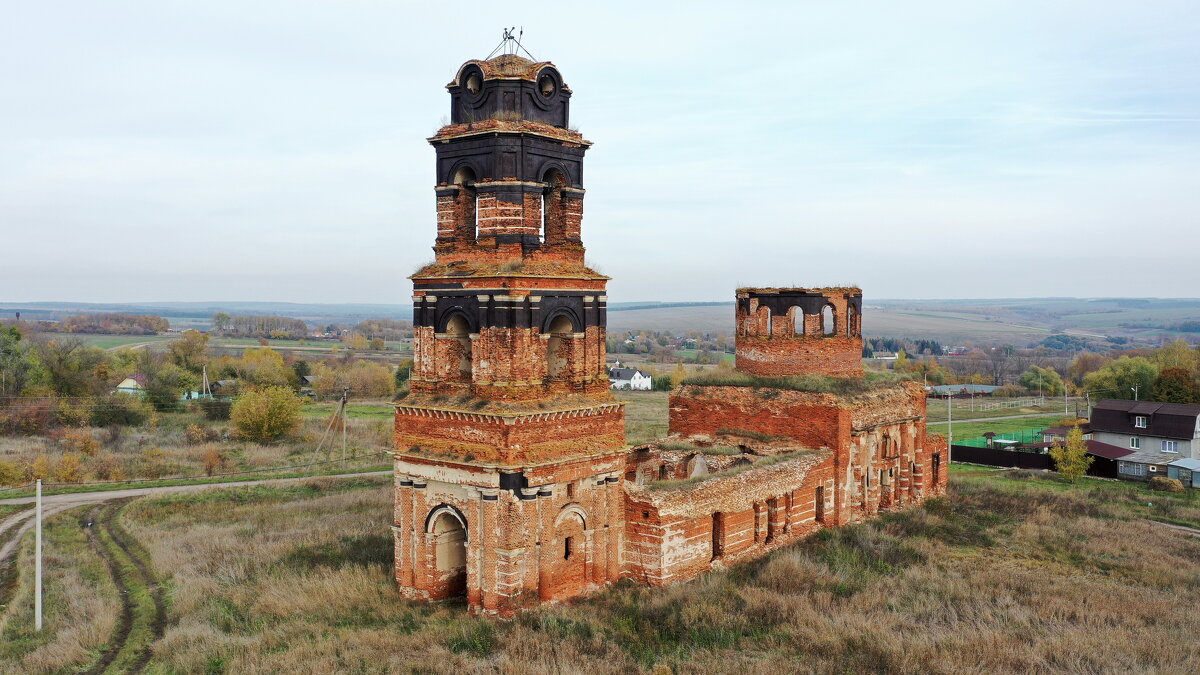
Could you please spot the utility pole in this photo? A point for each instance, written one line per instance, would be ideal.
(37, 566)
(950, 416)
(345, 398)
(1135, 391)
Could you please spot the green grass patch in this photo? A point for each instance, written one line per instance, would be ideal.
(1020, 429)
(361, 550)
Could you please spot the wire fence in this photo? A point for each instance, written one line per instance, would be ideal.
(1022, 437)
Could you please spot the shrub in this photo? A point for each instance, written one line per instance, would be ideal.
(120, 410)
(266, 415)
(107, 467)
(1166, 484)
(74, 412)
(215, 410)
(82, 441)
(28, 418)
(214, 460)
(10, 473)
(38, 468)
(69, 468)
(198, 433)
(1011, 391)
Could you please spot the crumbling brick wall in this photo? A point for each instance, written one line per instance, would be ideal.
(785, 331)
(555, 533)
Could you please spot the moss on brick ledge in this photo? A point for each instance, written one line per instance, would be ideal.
(824, 384)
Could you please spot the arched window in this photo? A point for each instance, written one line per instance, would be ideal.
(828, 323)
(466, 227)
(797, 313)
(852, 329)
(461, 330)
(557, 360)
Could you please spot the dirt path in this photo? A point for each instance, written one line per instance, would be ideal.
(1179, 528)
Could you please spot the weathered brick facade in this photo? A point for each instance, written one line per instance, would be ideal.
(799, 331)
(513, 481)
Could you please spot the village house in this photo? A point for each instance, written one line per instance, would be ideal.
(134, 384)
(629, 379)
(1158, 436)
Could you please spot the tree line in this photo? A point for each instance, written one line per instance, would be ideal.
(259, 325)
(113, 324)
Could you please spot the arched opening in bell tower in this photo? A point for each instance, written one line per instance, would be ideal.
(466, 228)
(561, 330)
(553, 226)
(458, 328)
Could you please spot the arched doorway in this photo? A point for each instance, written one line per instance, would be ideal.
(449, 539)
(568, 556)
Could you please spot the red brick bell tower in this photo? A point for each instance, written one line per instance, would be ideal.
(509, 446)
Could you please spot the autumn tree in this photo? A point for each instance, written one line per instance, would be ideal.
(1175, 385)
(264, 367)
(1084, 364)
(1178, 354)
(68, 365)
(1122, 377)
(1044, 380)
(1071, 459)
(266, 415)
(998, 362)
(166, 384)
(189, 351)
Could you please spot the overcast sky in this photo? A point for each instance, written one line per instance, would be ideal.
(219, 150)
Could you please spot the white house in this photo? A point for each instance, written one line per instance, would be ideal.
(135, 384)
(629, 378)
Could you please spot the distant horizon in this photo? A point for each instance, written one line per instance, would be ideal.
(229, 149)
(866, 298)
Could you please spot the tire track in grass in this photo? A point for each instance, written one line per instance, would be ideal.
(125, 621)
(140, 559)
(143, 612)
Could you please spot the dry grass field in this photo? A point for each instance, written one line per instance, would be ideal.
(1011, 572)
(186, 444)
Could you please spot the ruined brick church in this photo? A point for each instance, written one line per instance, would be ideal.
(513, 481)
